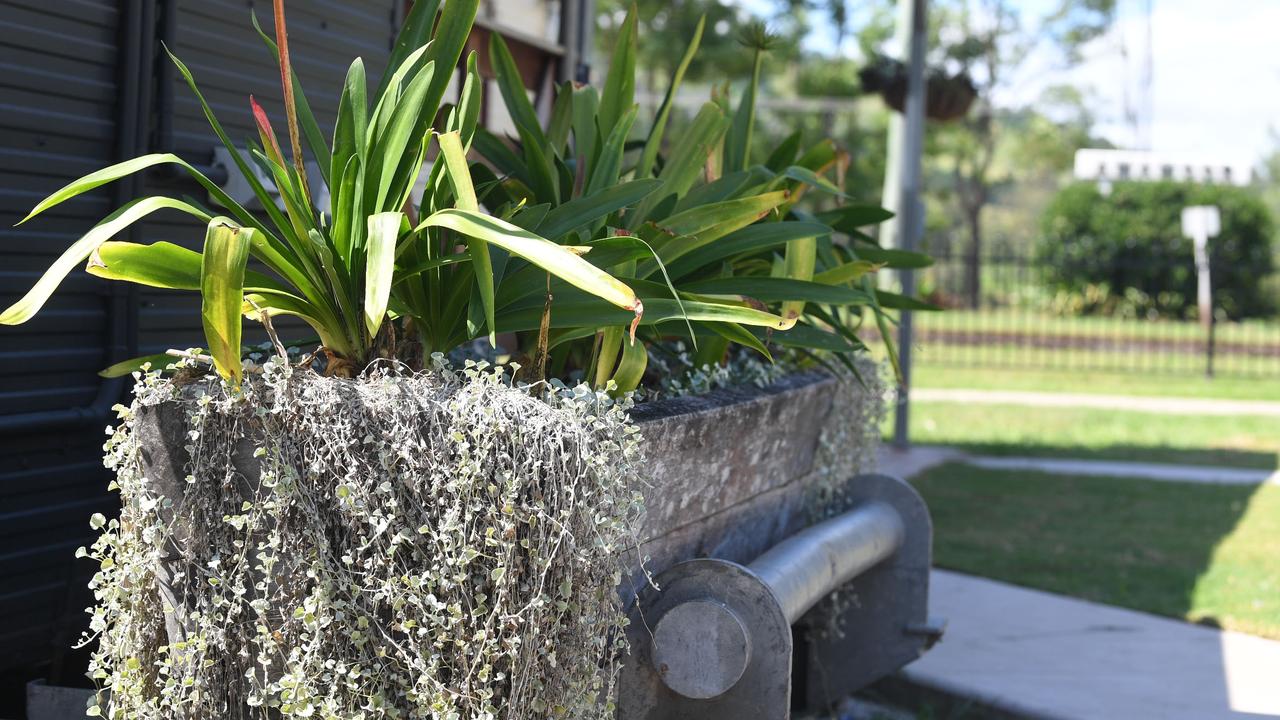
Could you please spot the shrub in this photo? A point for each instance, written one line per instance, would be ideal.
(1130, 245)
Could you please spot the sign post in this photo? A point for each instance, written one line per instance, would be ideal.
(1201, 222)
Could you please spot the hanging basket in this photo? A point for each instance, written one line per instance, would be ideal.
(947, 96)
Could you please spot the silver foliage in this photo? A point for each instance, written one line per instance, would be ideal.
(432, 545)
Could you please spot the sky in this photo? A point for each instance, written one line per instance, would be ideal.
(1215, 74)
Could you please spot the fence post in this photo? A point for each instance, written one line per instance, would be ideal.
(911, 220)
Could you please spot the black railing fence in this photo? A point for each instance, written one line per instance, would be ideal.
(1015, 311)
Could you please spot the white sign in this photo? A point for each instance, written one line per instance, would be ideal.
(1201, 221)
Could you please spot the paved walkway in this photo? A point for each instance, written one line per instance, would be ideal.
(1164, 405)
(1048, 656)
(908, 463)
(1147, 471)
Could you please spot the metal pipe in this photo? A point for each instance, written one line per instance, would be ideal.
(807, 566)
(911, 204)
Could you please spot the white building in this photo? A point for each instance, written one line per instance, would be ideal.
(1121, 165)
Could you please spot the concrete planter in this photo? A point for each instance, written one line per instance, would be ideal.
(54, 702)
(730, 475)
(730, 469)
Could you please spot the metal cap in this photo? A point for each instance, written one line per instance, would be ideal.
(700, 649)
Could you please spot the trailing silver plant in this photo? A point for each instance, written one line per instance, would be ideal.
(430, 545)
(846, 448)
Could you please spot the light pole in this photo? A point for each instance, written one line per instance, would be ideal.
(910, 223)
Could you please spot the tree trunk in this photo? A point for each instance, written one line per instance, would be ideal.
(973, 257)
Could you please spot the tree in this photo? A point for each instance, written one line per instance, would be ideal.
(988, 40)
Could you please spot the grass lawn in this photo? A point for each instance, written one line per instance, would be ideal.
(1093, 434)
(1204, 553)
(1094, 382)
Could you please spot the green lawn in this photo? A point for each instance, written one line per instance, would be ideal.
(1237, 441)
(1104, 383)
(1204, 553)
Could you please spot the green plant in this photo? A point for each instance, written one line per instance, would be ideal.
(372, 255)
(1130, 245)
(720, 250)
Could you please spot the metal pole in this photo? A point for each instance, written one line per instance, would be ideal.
(807, 566)
(911, 218)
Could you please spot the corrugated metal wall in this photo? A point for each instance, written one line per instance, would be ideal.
(59, 89)
(83, 84)
(67, 85)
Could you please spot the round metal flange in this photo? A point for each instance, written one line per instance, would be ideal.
(709, 642)
(700, 649)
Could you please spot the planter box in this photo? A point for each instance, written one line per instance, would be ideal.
(730, 474)
(54, 702)
(731, 470)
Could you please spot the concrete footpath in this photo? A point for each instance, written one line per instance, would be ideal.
(909, 463)
(1036, 654)
(1042, 655)
(1146, 471)
(1162, 405)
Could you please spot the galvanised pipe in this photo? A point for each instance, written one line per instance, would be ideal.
(807, 566)
(702, 643)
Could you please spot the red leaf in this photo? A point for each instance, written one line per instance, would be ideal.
(269, 142)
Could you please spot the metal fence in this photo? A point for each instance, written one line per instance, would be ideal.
(1006, 312)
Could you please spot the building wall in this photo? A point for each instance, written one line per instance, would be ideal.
(83, 84)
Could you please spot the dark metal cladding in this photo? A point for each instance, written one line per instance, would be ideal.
(85, 84)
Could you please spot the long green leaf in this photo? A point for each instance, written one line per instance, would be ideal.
(700, 226)
(413, 35)
(798, 262)
(547, 255)
(310, 128)
(619, 92)
(514, 95)
(405, 273)
(384, 230)
(109, 174)
(114, 223)
(284, 304)
(734, 332)
(226, 251)
(849, 218)
(631, 366)
(686, 162)
(159, 361)
(163, 265)
(586, 142)
(902, 259)
(561, 121)
(751, 239)
(894, 301)
(846, 272)
(460, 176)
(779, 289)
(583, 211)
(744, 210)
(576, 314)
(605, 173)
(391, 146)
(348, 147)
(811, 338)
(737, 144)
(654, 142)
(287, 252)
